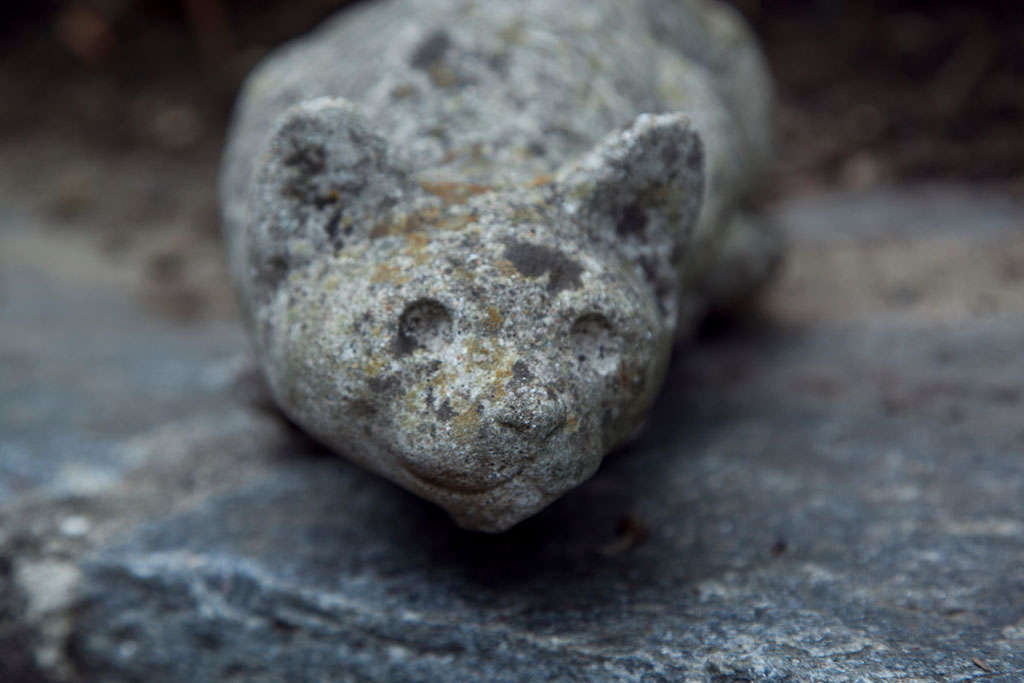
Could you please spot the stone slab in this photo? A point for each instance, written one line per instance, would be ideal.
(827, 500)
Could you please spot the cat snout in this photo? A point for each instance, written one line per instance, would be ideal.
(531, 413)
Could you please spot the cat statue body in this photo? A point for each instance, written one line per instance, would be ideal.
(466, 233)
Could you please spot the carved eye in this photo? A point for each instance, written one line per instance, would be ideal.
(425, 324)
(595, 343)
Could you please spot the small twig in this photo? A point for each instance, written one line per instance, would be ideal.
(631, 532)
(980, 663)
(85, 32)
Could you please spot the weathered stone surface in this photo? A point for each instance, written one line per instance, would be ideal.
(466, 234)
(832, 504)
(829, 500)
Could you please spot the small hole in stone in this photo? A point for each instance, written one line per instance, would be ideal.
(595, 343)
(425, 324)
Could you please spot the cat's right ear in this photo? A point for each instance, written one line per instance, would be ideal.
(639, 192)
(651, 172)
(325, 178)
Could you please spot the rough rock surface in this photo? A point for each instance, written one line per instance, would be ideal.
(466, 234)
(836, 498)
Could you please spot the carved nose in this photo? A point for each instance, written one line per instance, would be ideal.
(531, 413)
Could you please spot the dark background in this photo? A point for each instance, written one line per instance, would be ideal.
(112, 112)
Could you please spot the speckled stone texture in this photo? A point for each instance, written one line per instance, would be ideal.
(466, 234)
(826, 499)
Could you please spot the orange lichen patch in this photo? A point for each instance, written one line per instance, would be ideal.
(508, 270)
(416, 248)
(630, 381)
(494, 321)
(502, 374)
(414, 401)
(443, 379)
(416, 242)
(389, 273)
(443, 76)
(466, 422)
(372, 368)
(406, 223)
(422, 221)
(456, 222)
(528, 214)
(475, 347)
(541, 180)
(454, 193)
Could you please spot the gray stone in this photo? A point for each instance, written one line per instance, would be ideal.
(831, 501)
(466, 234)
(841, 504)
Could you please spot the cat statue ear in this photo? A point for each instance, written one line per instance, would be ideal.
(647, 176)
(325, 179)
(639, 193)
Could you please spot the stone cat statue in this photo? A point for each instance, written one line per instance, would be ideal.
(467, 232)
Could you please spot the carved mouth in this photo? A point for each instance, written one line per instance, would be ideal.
(450, 482)
(527, 430)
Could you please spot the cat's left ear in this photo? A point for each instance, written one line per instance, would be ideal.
(649, 173)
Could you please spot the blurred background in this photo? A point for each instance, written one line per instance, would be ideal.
(112, 113)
